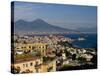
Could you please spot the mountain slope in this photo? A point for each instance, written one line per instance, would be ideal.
(37, 25)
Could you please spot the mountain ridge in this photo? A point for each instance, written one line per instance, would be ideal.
(41, 26)
(37, 25)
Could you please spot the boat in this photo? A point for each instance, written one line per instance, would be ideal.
(81, 39)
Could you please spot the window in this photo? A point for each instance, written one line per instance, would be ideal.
(29, 46)
(26, 65)
(31, 64)
(43, 47)
(43, 51)
(33, 48)
(39, 47)
(36, 62)
(37, 70)
(23, 65)
(37, 66)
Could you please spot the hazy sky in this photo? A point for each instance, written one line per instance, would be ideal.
(67, 16)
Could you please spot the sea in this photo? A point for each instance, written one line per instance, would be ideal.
(89, 42)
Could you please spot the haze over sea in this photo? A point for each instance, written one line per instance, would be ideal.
(89, 42)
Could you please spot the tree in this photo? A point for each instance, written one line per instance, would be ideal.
(73, 56)
(67, 53)
(81, 60)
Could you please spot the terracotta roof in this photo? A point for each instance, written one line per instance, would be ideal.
(25, 59)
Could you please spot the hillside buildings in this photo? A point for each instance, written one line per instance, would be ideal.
(36, 54)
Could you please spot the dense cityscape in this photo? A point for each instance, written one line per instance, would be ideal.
(49, 53)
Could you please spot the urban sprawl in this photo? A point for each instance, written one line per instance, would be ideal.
(48, 53)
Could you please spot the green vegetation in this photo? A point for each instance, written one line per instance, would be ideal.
(45, 59)
(81, 60)
(66, 43)
(22, 56)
